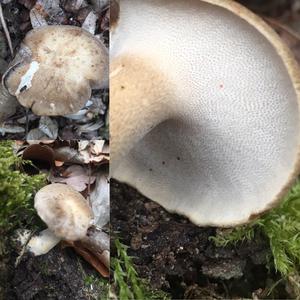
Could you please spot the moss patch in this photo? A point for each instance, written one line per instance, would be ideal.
(17, 190)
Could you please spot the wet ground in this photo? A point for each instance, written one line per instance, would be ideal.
(179, 258)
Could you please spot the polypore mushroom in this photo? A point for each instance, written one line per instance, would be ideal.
(66, 213)
(56, 69)
(64, 210)
(68, 217)
(204, 108)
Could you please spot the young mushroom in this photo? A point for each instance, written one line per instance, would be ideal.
(65, 211)
(68, 217)
(204, 108)
(56, 69)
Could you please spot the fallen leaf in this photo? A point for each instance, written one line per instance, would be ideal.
(10, 129)
(76, 176)
(42, 156)
(99, 199)
(8, 104)
(37, 18)
(89, 257)
(97, 146)
(36, 136)
(49, 127)
(99, 5)
(90, 23)
(90, 126)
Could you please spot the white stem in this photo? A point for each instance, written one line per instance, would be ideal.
(43, 243)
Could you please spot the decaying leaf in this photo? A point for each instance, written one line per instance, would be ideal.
(99, 199)
(99, 5)
(97, 146)
(39, 155)
(10, 129)
(49, 127)
(89, 257)
(37, 17)
(76, 176)
(46, 12)
(93, 126)
(74, 5)
(35, 135)
(8, 104)
(90, 22)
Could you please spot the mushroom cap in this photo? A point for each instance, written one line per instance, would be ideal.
(64, 65)
(64, 210)
(227, 149)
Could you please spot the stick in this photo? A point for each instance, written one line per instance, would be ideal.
(6, 31)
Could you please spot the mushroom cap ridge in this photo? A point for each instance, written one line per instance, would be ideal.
(65, 211)
(69, 62)
(271, 163)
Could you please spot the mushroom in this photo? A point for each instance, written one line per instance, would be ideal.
(204, 108)
(65, 211)
(56, 69)
(68, 217)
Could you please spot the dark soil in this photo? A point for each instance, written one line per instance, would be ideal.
(179, 258)
(60, 274)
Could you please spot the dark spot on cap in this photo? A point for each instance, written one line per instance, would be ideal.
(150, 170)
(163, 162)
(122, 87)
(75, 31)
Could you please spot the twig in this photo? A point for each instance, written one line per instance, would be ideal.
(6, 31)
(89, 174)
(19, 258)
(27, 122)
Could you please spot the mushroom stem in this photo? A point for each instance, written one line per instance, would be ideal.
(43, 242)
(148, 104)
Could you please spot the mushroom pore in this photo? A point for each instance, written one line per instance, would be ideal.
(204, 108)
(56, 69)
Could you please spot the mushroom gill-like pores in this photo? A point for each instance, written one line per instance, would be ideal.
(56, 69)
(204, 108)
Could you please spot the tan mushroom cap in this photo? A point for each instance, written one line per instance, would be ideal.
(65, 64)
(64, 210)
(204, 108)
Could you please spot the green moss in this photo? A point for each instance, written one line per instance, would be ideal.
(126, 281)
(101, 284)
(17, 190)
(282, 228)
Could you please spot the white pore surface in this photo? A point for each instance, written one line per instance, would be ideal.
(234, 143)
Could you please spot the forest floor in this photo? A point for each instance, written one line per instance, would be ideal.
(182, 259)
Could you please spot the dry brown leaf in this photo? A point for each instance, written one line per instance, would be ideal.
(75, 176)
(89, 257)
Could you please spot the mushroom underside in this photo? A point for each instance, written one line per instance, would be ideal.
(232, 147)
